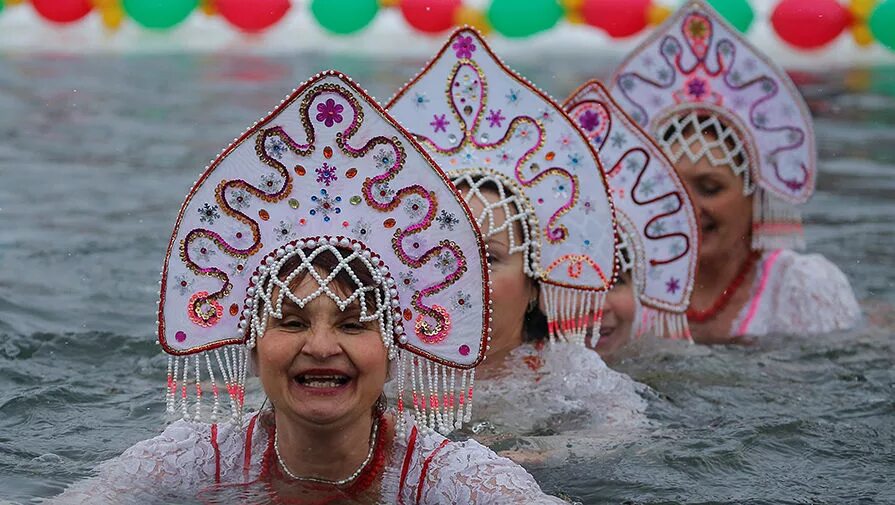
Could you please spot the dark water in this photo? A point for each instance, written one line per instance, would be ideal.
(96, 154)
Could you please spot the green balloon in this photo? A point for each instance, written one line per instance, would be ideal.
(737, 12)
(1, 5)
(344, 16)
(521, 18)
(159, 14)
(882, 22)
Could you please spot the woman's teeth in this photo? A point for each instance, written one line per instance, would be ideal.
(322, 381)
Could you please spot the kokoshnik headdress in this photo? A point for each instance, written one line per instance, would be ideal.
(485, 125)
(701, 89)
(656, 220)
(327, 172)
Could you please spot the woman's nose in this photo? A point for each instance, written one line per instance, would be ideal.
(322, 343)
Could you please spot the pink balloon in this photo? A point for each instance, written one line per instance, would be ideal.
(618, 18)
(62, 11)
(809, 24)
(430, 16)
(254, 15)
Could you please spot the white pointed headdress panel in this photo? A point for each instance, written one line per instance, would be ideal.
(654, 202)
(697, 61)
(476, 116)
(327, 166)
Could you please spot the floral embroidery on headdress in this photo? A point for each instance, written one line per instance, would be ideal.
(656, 217)
(489, 124)
(328, 171)
(696, 74)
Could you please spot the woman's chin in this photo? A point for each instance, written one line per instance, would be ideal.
(322, 405)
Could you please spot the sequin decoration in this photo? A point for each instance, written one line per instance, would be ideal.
(203, 311)
(325, 205)
(264, 215)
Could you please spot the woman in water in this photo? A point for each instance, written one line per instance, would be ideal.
(536, 188)
(313, 253)
(742, 140)
(657, 225)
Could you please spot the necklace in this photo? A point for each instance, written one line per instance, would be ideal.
(351, 478)
(701, 316)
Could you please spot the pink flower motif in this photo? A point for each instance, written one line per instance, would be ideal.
(673, 285)
(329, 112)
(439, 123)
(495, 118)
(464, 47)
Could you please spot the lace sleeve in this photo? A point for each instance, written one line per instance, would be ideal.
(467, 472)
(814, 297)
(175, 463)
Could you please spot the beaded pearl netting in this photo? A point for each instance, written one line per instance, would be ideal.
(327, 172)
(703, 91)
(490, 127)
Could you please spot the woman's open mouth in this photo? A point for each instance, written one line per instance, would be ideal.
(322, 381)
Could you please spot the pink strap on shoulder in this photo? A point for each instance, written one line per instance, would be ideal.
(767, 267)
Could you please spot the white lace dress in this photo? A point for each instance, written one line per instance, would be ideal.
(797, 294)
(545, 404)
(194, 461)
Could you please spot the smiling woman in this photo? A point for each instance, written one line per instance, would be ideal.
(742, 140)
(317, 309)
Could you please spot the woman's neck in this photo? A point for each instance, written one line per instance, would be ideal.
(714, 275)
(501, 347)
(331, 452)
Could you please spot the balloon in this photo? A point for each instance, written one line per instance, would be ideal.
(882, 23)
(159, 14)
(515, 18)
(466, 15)
(809, 24)
(254, 16)
(62, 11)
(430, 16)
(344, 16)
(619, 18)
(736, 12)
(1, 5)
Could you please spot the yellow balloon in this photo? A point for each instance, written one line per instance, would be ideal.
(466, 15)
(862, 9)
(208, 7)
(862, 34)
(657, 13)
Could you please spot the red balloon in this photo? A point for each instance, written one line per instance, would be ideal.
(62, 11)
(619, 18)
(430, 16)
(252, 16)
(809, 24)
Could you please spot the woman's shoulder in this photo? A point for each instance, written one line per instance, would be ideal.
(807, 294)
(811, 275)
(439, 470)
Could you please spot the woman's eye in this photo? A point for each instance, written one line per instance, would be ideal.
(353, 327)
(709, 188)
(293, 323)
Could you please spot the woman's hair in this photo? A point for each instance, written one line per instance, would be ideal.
(534, 328)
(705, 130)
(325, 263)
